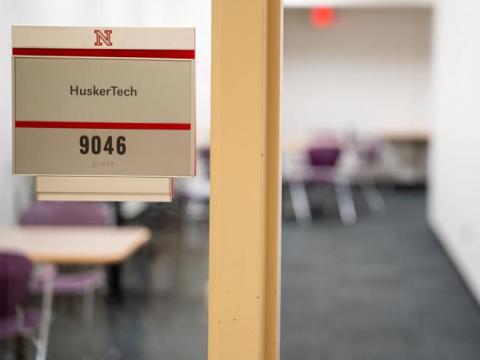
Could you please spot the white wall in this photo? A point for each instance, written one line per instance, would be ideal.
(370, 71)
(94, 12)
(455, 154)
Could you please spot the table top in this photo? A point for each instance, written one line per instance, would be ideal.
(406, 136)
(296, 145)
(74, 245)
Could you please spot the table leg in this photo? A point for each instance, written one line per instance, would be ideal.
(20, 348)
(114, 273)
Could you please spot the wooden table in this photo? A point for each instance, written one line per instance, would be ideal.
(414, 136)
(409, 164)
(74, 245)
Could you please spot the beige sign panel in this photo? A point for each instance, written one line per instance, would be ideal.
(71, 188)
(104, 102)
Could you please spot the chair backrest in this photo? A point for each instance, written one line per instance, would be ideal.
(369, 151)
(325, 157)
(204, 158)
(68, 214)
(15, 272)
(204, 153)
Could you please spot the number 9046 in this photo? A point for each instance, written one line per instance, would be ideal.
(96, 145)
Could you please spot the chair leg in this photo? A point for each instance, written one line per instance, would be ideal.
(346, 205)
(44, 332)
(301, 207)
(88, 317)
(373, 197)
(196, 209)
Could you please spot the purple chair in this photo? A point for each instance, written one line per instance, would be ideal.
(61, 213)
(322, 167)
(197, 191)
(15, 272)
(368, 151)
(204, 157)
(323, 161)
(81, 283)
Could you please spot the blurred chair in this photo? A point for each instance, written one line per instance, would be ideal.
(198, 189)
(80, 283)
(15, 274)
(322, 165)
(323, 161)
(204, 155)
(369, 153)
(293, 171)
(60, 213)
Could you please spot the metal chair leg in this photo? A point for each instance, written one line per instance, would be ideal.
(346, 205)
(88, 317)
(44, 332)
(301, 207)
(373, 197)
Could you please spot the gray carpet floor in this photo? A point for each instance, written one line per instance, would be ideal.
(382, 289)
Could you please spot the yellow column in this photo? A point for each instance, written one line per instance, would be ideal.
(245, 180)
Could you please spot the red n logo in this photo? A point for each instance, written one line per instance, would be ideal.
(103, 37)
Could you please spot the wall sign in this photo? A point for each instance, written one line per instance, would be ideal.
(98, 188)
(103, 101)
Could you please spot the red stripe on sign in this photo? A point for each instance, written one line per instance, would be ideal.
(129, 53)
(101, 125)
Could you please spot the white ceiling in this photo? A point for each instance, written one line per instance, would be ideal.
(358, 3)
